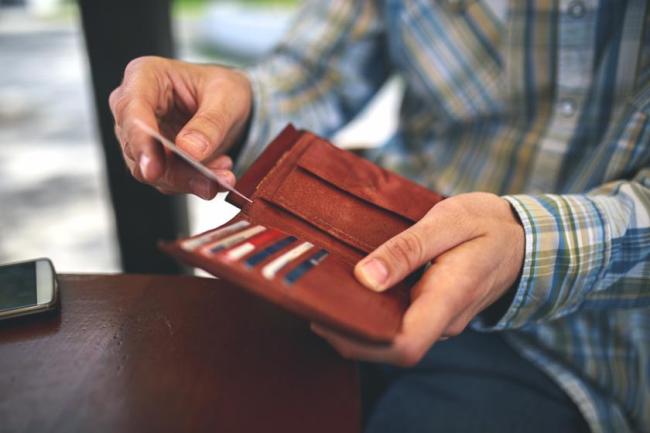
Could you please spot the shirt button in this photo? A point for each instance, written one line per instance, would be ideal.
(568, 107)
(577, 9)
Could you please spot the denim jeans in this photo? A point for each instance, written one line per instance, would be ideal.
(471, 383)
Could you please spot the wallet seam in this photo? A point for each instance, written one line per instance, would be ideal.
(270, 177)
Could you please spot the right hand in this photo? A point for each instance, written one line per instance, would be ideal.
(204, 109)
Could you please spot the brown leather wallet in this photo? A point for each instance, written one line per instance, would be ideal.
(344, 206)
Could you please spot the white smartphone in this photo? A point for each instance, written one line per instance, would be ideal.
(27, 288)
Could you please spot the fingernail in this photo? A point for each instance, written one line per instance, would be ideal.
(145, 162)
(374, 274)
(201, 187)
(223, 163)
(197, 144)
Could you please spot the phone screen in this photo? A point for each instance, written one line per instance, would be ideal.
(18, 286)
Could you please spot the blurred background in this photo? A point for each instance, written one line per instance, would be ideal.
(62, 188)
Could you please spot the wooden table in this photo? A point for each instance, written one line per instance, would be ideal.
(137, 353)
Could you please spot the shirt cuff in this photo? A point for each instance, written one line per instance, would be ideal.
(257, 134)
(566, 253)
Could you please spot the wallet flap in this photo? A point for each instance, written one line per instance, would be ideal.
(367, 181)
(341, 194)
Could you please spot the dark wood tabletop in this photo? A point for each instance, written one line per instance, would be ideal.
(139, 353)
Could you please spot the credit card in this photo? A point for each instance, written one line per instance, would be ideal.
(276, 265)
(253, 243)
(194, 243)
(256, 259)
(205, 171)
(234, 239)
(306, 265)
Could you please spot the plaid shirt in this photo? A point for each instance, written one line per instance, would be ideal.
(547, 106)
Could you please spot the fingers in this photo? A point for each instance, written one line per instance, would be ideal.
(443, 228)
(179, 177)
(461, 283)
(482, 263)
(141, 148)
(444, 301)
(422, 326)
(163, 94)
(172, 175)
(140, 97)
(217, 121)
(352, 349)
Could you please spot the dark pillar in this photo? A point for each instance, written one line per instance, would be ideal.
(12, 3)
(117, 31)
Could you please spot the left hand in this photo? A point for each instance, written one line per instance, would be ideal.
(476, 245)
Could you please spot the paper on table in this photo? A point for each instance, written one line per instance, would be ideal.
(205, 171)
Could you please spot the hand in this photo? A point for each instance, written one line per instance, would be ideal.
(476, 245)
(204, 109)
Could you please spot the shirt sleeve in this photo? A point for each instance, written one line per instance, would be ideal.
(584, 251)
(327, 67)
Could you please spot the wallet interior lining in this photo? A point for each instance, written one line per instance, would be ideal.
(352, 220)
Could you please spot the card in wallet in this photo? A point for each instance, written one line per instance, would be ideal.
(316, 211)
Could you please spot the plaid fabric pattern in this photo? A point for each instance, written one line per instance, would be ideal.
(548, 107)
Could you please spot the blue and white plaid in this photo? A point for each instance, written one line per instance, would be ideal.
(548, 106)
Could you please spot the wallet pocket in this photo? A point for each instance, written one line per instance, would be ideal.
(297, 274)
(350, 198)
(367, 181)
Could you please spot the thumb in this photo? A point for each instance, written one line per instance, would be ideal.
(206, 130)
(439, 231)
(394, 260)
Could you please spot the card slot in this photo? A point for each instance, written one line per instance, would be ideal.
(331, 286)
(304, 266)
(270, 251)
(254, 253)
(282, 263)
(233, 239)
(264, 210)
(282, 255)
(327, 292)
(249, 246)
(213, 235)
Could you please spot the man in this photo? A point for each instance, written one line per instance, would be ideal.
(542, 104)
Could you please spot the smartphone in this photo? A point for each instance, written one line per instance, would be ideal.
(27, 288)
